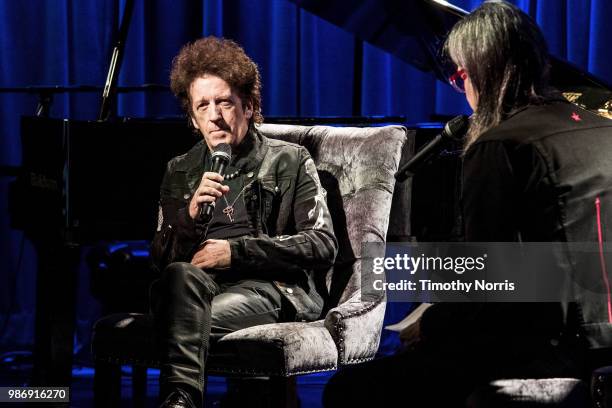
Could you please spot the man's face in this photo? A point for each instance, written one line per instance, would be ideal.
(217, 111)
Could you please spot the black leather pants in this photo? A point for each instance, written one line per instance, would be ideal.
(189, 307)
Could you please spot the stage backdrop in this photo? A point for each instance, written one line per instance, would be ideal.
(307, 68)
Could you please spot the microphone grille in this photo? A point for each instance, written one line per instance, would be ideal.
(456, 127)
(223, 149)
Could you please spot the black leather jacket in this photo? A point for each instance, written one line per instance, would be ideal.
(536, 178)
(294, 243)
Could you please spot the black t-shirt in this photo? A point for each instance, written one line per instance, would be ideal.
(230, 217)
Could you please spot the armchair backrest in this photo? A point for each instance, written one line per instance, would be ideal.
(356, 167)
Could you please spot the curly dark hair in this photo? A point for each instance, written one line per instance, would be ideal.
(220, 57)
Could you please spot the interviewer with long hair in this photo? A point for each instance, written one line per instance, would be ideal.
(535, 169)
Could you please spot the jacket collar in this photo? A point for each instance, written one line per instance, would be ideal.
(248, 156)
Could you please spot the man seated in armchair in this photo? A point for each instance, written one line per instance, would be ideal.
(257, 259)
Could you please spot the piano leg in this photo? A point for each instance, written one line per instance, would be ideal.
(55, 311)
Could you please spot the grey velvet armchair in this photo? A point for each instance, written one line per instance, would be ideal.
(356, 166)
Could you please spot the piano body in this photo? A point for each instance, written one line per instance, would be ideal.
(98, 180)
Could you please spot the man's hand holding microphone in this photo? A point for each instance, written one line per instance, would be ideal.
(214, 253)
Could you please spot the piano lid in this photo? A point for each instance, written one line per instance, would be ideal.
(415, 30)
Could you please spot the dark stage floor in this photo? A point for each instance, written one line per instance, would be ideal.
(310, 387)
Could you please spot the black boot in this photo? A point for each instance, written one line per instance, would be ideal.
(178, 398)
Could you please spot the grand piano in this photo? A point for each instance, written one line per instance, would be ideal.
(87, 190)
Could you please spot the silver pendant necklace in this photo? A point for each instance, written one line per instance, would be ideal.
(232, 175)
(229, 208)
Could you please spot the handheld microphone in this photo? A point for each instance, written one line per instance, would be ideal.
(454, 130)
(220, 158)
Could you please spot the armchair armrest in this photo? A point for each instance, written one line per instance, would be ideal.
(355, 326)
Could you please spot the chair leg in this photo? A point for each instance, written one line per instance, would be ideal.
(260, 392)
(205, 387)
(284, 392)
(139, 386)
(107, 385)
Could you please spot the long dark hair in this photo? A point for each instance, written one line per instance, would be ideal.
(506, 58)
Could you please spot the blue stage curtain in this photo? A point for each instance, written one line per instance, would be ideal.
(307, 67)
